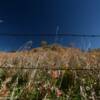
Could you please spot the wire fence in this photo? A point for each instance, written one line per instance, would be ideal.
(35, 68)
(42, 34)
(50, 35)
(96, 71)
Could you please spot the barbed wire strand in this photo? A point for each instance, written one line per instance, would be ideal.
(60, 34)
(50, 68)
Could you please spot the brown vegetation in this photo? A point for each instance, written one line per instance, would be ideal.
(42, 80)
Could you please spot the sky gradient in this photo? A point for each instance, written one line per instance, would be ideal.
(43, 16)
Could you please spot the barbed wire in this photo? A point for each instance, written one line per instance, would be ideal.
(60, 34)
(35, 68)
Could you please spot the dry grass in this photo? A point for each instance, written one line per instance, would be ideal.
(42, 84)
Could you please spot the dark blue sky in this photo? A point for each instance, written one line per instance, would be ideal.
(43, 16)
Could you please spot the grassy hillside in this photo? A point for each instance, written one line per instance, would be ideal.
(50, 73)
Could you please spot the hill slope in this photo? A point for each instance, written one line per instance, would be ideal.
(35, 74)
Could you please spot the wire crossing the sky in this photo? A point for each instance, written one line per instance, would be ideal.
(60, 34)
